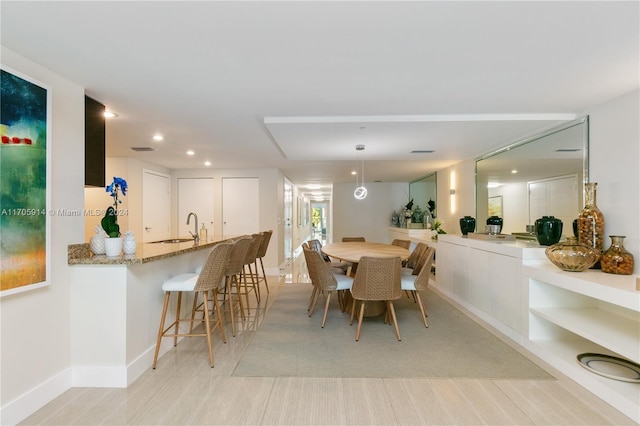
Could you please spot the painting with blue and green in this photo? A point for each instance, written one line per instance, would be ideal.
(23, 183)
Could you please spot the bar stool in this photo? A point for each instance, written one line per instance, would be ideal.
(231, 277)
(207, 281)
(247, 271)
(262, 251)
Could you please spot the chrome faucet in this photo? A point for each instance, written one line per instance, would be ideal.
(196, 237)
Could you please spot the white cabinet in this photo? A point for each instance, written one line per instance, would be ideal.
(555, 314)
(486, 278)
(573, 313)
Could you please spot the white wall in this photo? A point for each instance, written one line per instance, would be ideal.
(370, 217)
(614, 154)
(271, 201)
(35, 341)
(460, 177)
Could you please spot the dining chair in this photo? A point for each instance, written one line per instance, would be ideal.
(337, 265)
(401, 243)
(262, 252)
(325, 281)
(353, 239)
(420, 282)
(207, 281)
(415, 255)
(377, 279)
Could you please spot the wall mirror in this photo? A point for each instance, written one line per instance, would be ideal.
(423, 193)
(542, 175)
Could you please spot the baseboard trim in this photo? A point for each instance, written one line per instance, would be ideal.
(25, 405)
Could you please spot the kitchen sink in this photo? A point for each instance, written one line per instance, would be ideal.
(172, 240)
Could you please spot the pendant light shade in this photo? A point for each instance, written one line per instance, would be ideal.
(360, 192)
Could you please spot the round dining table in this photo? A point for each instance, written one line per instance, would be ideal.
(352, 251)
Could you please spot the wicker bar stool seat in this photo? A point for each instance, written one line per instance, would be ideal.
(203, 284)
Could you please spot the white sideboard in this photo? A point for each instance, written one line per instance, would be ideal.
(572, 313)
(554, 314)
(486, 278)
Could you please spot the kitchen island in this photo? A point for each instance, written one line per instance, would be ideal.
(116, 304)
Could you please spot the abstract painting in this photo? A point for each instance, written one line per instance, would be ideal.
(24, 209)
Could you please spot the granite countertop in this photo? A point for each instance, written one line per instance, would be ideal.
(80, 254)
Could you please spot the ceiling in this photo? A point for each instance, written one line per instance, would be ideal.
(296, 85)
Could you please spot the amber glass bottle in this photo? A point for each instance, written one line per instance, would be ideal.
(591, 221)
(617, 260)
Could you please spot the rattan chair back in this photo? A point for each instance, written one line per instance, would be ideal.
(319, 272)
(214, 267)
(252, 251)
(377, 278)
(401, 243)
(238, 254)
(422, 280)
(415, 255)
(353, 239)
(264, 244)
(317, 246)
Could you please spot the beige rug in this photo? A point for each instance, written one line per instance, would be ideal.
(289, 343)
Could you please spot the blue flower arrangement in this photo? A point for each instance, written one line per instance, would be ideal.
(110, 220)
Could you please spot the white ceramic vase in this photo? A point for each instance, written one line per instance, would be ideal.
(97, 245)
(113, 246)
(129, 244)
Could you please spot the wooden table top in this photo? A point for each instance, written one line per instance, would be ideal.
(353, 251)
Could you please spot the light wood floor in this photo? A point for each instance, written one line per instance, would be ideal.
(185, 390)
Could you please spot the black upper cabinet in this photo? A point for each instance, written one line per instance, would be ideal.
(94, 142)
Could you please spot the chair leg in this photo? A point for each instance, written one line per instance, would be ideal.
(161, 329)
(313, 295)
(326, 308)
(360, 321)
(175, 334)
(207, 329)
(216, 310)
(315, 300)
(422, 311)
(266, 284)
(353, 310)
(393, 316)
(227, 293)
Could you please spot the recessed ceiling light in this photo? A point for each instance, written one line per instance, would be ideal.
(207, 163)
(158, 137)
(514, 171)
(313, 186)
(190, 152)
(353, 172)
(110, 114)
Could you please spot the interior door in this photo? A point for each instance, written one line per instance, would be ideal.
(195, 195)
(288, 214)
(240, 206)
(156, 204)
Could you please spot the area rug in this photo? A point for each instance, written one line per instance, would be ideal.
(290, 344)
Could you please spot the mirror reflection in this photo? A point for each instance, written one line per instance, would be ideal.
(543, 175)
(423, 193)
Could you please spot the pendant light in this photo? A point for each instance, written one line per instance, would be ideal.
(360, 192)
